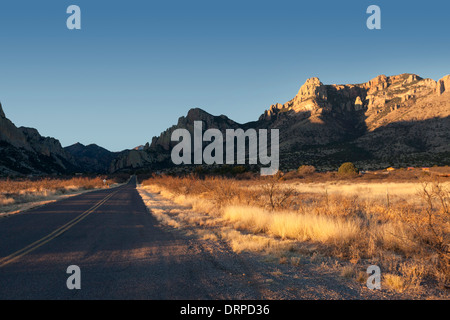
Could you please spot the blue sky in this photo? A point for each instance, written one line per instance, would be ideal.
(136, 66)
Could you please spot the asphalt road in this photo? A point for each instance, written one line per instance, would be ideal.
(121, 250)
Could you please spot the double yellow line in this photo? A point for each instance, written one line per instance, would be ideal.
(39, 243)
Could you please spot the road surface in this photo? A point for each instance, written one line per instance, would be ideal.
(121, 250)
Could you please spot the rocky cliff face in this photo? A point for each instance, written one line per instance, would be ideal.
(11, 134)
(443, 85)
(373, 95)
(25, 151)
(157, 154)
(399, 120)
(209, 122)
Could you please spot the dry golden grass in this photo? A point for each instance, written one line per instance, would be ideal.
(14, 193)
(394, 282)
(406, 231)
(293, 225)
(9, 186)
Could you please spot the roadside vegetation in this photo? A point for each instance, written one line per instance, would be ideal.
(401, 225)
(18, 194)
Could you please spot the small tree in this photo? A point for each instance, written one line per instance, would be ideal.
(348, 168)
(430, 227)
(278, 197)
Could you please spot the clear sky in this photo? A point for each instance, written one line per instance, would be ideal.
(136, 66)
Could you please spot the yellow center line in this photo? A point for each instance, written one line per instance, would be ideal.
(33, 246)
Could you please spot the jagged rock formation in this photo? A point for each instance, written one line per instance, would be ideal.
(373, 95)
(443, 85)
(401, 119)
(209, 122)
(157, 154)
(11, 134)
(25, 151)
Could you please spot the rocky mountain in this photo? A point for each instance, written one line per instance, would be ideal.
(340, 111)
(24, 151)
(91, 158)
(400, 120)
(157, 154)
(209, 122)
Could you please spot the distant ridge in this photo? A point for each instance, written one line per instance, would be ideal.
(91, 158)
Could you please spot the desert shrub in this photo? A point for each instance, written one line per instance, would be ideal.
(223, 170)
(238, 170)
(246, 176)
(277, 196)
(292, 175)
(306, 170)
(430, 227)
(394, 282)
(348, 169)
(5, 200)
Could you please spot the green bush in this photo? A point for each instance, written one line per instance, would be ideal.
(348, 168)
